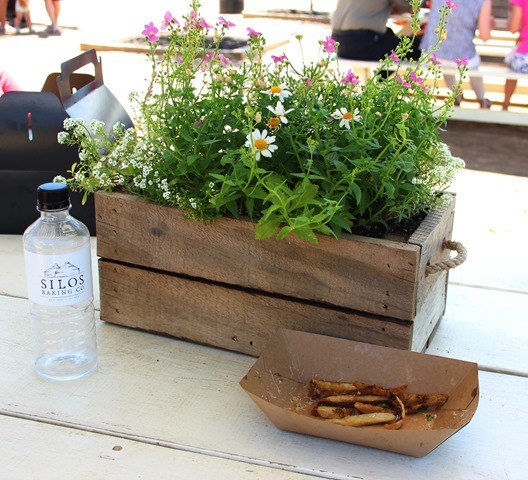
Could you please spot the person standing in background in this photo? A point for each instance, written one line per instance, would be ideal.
(465, 18)
(53, 8)
(3, 17)
(22, 12)
(360, 28)
(517, 59)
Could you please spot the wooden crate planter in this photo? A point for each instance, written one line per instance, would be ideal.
(215, 284)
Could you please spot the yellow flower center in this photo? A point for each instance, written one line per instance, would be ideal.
(260, 144)
(274, 122)
(347, 116)
(276, 89)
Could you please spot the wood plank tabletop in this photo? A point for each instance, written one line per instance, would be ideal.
(28, 447)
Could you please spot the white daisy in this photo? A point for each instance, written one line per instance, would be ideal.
(345, 116)
(261, 143)
(278, 91)
(279, 112)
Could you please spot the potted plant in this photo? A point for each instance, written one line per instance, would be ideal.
(304, 153)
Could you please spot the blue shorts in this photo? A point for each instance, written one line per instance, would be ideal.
(518, 62)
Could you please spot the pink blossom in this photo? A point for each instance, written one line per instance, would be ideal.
(278, 59)
(193, 17)
(223, 59)
(328, 44)
(204, 24)
(225, 23)
(168, 19)
(425, 88)
(451, 5)
(403, 82)
(308, 81)
(415, 78)
(434, 60)
(253, 33)
(394, 57)
(151, 32)
(462, 62)
(208, 56)
(350, 78)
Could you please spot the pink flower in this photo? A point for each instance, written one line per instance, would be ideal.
(223, 59)
(207, 57)
(415, 78)
(403, 82)
(350, 78)
(204, 24)
(225, 23)
(308, 81)
(394, 57)
(462, 62)
(434, 60)
(193, 17)
(328, 44)
(168, 19)
(151, 32)
(278, 59)
(451, 5)
(424, 88)
(253, 33)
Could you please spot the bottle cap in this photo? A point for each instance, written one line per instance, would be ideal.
(53, 196)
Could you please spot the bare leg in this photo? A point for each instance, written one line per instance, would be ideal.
(509, 88)
(477, 84)
(57, 6)
(18, 20)
(3, 13)
(53, 9)
(451, 81)
(28, 21)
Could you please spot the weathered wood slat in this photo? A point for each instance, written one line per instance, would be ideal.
(232, 318)
(95, 456)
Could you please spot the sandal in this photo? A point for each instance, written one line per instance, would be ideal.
(52, 31)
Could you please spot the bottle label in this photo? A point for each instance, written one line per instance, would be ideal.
(59, 280)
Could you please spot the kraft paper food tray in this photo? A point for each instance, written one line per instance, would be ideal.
(278, 383)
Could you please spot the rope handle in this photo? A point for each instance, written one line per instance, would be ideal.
(452, 262)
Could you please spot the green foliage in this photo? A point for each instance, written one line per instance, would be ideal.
(300, 149)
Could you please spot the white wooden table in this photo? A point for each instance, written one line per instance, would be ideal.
(159, 408)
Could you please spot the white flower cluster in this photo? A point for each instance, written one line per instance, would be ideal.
(443, 173)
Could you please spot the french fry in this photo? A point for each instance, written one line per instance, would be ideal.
(327, 411)
(364, 419)
(322, 388)
(379, 390)
(371, 408)
(416, 401)
(400, 406)
(394, 425)
(351, 399)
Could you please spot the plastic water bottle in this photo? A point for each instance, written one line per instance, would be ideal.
(59, 280)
